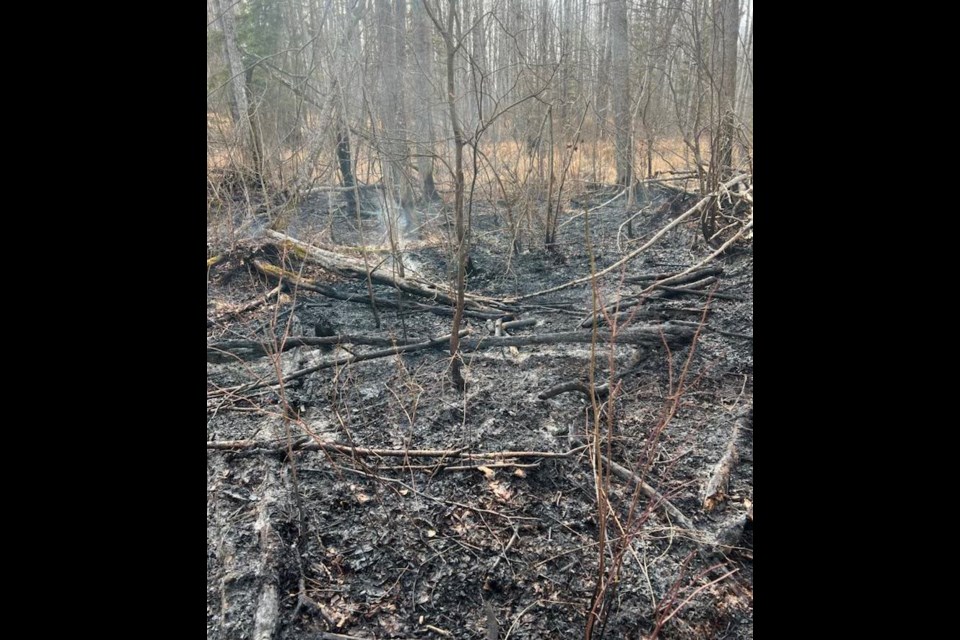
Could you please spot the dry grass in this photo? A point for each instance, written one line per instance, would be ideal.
(520, 169)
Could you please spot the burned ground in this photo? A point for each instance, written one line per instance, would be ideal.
(414, 526)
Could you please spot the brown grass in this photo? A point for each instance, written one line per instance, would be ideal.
(593, 161)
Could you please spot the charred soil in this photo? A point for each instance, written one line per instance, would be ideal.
(370, 498)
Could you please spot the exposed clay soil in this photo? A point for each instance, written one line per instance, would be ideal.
(406, 547)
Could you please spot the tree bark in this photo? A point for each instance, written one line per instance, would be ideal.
(344, 156)
(239, 105)
(423, 121)
(620, 86)
(727, 16)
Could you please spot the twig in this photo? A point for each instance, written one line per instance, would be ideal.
(253, 304)
(438, 631)
(435, 499)
(625, 474)
(694, 594)
(519, 616)
(599, 206)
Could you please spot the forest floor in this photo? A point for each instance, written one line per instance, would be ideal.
(414, 526)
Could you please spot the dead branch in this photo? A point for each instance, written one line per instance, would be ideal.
(693, 282)
(438, 631)
(731, 334)
(714, 491)
(693, 276)
(248, 306)
(573, 385)
(305, 444)
(644, 334)
(633, 254)
(519, 324)
(599, 206)
(344, 361)
(274, 271)
(326, 635)
(267, 615)
(700, 292)
(439, 466)
(225, 350)
(342, 264)
(600, 390)
(628, 476)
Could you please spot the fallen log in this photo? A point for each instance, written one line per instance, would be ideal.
(274, 271)
(307, 444)
(340, 362)
(226, 350)
(342, 264)
(651, 334)
(266, 617)
(620, 308)
(714, 491)
(739, 234)
(700, 292)
(732, 334)
(690, 277)
(601, 390)
(644, 334)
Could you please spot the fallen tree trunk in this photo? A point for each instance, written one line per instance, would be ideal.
(339, 362)
(274, 271)
(341, 264)
(227, 350)
(308, 444)
(266, 618)
(622, 307)
(715, 490)
(690, 277)
(647, 334)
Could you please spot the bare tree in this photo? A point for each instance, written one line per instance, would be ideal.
(726, 27)
(620, 89)
(239, 104)
(462, 250)
(423, 104)
(350, 89)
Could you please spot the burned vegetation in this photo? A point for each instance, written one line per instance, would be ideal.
(593, 477)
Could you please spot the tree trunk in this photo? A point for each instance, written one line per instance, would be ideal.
(462, 250)
(727, 16)
(239, 105)
(395, 153)
(726, 19)
(344, 157)
(620, 86)
(423, 54)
